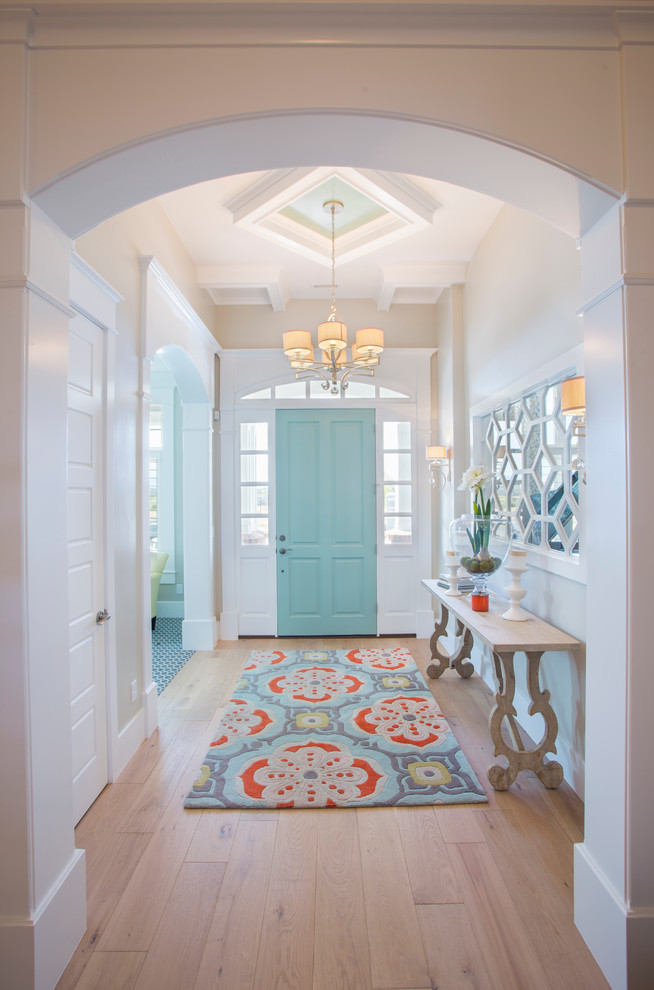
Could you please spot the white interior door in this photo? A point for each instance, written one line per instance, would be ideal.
(88, 703)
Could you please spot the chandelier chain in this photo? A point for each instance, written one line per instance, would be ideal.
(332, 315)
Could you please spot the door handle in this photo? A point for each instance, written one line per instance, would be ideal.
(285, 549)
(101, 617)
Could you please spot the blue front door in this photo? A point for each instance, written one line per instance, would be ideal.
(326, 523)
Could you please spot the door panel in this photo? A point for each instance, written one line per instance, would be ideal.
(326, 523)
(85, 562)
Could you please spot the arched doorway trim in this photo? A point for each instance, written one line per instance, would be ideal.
(166, 317)
(125, 176)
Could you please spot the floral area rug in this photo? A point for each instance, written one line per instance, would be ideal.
(355, 729)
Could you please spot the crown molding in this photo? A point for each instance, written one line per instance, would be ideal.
(585, 23)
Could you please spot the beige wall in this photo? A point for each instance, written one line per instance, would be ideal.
(259, 326)
(522, 294)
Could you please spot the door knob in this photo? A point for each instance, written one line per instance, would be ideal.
(285, 549)
(102, 616)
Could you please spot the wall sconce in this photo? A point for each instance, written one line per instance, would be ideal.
(439, 457)
(573, 403)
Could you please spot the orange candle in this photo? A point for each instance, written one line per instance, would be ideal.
(479, 602)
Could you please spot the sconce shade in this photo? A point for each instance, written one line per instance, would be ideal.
(573, 396)
(437, 453)
(332, 333)
(297, 343)
(370, 339)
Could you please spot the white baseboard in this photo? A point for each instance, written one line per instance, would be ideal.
(129, 740)
(600, 917)
(199, 634)
(229, 625)
(150, 710)
(35, 951)
(170, 610)
(620, 938)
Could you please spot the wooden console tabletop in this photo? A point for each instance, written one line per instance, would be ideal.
(533, 637)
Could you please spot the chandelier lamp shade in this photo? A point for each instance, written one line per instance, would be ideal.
(334, 368)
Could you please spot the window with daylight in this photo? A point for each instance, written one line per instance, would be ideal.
(156, 446)
(531, 451)
(398, 494)
(254, 484)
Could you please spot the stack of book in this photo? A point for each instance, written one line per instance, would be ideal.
(465, 585)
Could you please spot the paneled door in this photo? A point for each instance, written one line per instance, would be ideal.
(326, 523)
(88, 705)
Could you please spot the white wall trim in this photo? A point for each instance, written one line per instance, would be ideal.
(150, 709)
(600, 915)
(229, 625)
(35, 950)
(129, 739)
(199, 634)
(149, 264)
(26, 283)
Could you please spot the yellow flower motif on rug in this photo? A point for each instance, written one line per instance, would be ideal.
(205, 773)
(312, 720)
(432, 774)
(396, 682)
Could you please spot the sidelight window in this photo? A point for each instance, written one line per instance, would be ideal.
(254, 484)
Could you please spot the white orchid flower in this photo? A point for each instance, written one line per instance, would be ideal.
(474, 478)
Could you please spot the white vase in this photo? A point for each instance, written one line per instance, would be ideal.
(516, 565)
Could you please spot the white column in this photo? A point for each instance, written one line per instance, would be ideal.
(199, 631)
(42, 875)
(614, 866)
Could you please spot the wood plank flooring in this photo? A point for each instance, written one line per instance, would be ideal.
(455, 898)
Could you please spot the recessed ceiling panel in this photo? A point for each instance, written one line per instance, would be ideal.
(309, 209)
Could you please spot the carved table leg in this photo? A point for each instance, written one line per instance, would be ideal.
(455, 660)
(440, 628)
(550, 773)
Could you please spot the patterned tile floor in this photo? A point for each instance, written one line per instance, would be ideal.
(168, 657)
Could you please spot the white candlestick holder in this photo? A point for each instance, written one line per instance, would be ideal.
(452, 565)
(516, 565)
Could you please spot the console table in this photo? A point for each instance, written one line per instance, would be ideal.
(533, 637)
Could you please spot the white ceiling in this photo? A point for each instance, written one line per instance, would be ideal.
(259, 238)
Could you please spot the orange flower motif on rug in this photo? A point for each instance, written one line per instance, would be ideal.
(381, 659)
(241, 718)
(310, 775)
(316, 684)
(409, 721)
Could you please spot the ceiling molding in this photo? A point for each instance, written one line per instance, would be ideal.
(406, 209)
(244, 285)
(417, 283)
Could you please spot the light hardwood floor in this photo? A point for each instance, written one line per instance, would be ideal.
(476, 897)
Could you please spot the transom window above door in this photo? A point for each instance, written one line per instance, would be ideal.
(310, 390)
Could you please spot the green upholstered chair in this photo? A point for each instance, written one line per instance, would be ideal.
(157, 564)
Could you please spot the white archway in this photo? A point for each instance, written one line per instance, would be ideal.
(97, 189)
(125, 176)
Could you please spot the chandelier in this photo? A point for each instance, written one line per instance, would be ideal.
(334, 369)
